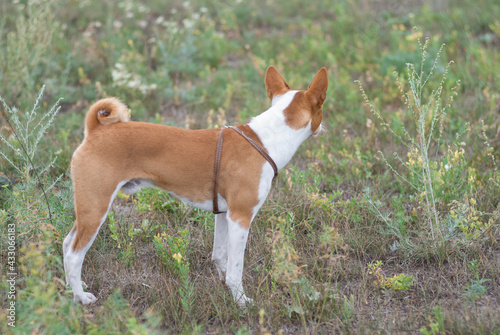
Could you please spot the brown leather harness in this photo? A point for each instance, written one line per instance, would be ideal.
(218, 154)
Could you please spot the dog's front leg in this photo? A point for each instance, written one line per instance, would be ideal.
(236, 244)
(219, 253)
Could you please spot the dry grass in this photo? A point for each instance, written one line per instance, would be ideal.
(335, 209)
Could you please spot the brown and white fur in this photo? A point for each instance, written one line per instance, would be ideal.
(120, 155)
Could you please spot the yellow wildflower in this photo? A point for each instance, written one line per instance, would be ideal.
(415, 36)
(177, 257)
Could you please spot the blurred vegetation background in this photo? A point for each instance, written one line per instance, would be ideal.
(386, 223)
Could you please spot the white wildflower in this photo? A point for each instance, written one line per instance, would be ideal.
(159, 20)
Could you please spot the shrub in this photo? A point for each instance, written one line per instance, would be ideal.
(435, 178)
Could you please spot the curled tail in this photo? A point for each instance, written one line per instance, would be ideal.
(105, 112)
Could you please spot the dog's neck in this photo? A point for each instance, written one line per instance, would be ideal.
(280, 140)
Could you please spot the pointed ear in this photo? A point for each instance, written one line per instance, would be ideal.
(319, 86)
(275, 84)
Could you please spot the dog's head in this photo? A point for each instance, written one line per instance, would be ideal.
(306, 107)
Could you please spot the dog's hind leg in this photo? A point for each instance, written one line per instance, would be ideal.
(66, 246)
(91, 211)
(73, 261)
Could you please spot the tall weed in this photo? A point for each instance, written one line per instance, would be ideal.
(28, 200)
(28, 129)
(435, 177)
(26, 47)
(42, 304)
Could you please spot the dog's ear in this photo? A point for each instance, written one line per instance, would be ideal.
(275, 84)
(319, 86)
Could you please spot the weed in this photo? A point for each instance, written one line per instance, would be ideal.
(262, 322)
(436, 323)
(428, 115)
(173, 253)
(331, 239)
(434, 180)
(199, 64)
(38, 266)
(24, 143)
(25, 48)
(173, 250)
(125, 243)
(20, 152)
(154, 199)
(400, 282)
(285, 270)
(475, 289)
(468, 219)
(347, 310)
(495, 176)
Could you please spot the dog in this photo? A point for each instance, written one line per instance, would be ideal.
(118, 154)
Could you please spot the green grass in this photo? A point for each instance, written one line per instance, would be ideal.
(385, 223)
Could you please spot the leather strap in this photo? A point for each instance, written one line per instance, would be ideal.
(258, 147)
(218, 154)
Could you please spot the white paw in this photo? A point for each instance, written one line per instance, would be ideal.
(243, 301)
(86, 298)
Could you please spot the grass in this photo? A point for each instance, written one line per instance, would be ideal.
(386, 223)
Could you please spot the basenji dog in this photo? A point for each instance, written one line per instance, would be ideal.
(118, 154)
